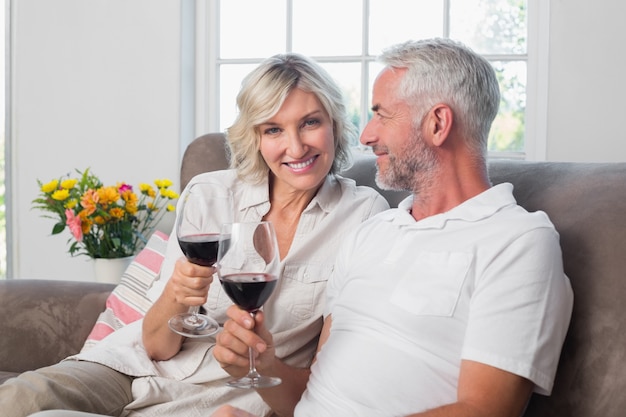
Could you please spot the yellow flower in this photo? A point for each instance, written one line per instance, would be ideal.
(98, 220)
(129, 196)
(70, 204)
(117, 213)
(131, 208)
(108, 195)
(60, 195)
(147, 189)
(171, 207)
(50, 187)
(69, 183)
(163, 183)
(169, 194)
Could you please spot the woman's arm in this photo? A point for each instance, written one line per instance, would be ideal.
(188, 286)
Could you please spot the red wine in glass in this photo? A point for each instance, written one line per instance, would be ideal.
(204, 207)
(200, 249)
(248, 266)
(249, 290)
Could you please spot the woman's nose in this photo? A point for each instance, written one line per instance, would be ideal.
(296, 147)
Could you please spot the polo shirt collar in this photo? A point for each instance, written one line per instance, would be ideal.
(480, 207)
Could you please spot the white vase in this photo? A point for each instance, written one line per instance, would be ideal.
(110, 270)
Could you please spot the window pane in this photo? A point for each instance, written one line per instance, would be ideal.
(327, 27)
(490, 26)
(374, 69)
(348, 76)
(394, 21)
(230, 83)
(507, 131)
(252, 28)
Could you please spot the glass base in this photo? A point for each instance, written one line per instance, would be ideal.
(193, 325)
(258, 381)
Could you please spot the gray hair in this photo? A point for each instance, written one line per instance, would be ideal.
(263, 92)
(445, 71)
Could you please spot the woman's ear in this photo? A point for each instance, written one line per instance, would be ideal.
(440, 119)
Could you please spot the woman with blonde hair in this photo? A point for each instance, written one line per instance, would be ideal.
(287, 146)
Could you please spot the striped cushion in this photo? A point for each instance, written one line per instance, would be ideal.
(128, 301)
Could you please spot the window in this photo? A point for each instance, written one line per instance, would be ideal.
(346, 36)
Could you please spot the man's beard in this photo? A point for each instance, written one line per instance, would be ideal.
(412, 169)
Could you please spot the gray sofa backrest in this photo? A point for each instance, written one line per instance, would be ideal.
(587, 204)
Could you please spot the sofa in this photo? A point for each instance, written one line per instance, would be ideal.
(41, 322)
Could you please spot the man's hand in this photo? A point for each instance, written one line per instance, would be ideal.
(241, 332)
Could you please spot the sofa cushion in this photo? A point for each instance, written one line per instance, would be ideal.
(128, 301)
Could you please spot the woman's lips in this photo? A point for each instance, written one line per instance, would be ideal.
(301, 165)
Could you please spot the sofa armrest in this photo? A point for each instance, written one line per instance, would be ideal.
(44, 321)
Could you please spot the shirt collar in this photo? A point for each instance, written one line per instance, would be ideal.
(256, 195)
(477, 208)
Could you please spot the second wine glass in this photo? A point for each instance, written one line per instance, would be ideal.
(248, 266)
(205, 206)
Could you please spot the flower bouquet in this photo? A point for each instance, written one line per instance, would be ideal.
(105, 221)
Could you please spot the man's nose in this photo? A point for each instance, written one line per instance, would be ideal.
(368, 136)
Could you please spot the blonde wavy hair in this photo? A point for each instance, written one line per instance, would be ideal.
(263, 92)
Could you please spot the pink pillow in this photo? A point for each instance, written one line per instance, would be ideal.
(128, 301)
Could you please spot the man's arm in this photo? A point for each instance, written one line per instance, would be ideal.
(485, 391)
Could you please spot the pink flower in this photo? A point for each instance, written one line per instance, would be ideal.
(124, 187)
(74, 223)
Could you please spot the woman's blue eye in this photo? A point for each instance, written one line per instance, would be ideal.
(311, 122)
(272, 131)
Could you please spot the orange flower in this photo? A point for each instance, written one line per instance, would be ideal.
(89, 202)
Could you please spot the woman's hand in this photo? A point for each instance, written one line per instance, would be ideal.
(242, 331)
(188, 286)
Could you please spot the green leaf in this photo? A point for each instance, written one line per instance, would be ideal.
(58, 228)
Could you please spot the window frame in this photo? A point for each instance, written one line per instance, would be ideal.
(200, 73)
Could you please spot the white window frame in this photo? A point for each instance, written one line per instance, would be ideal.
(200, 86)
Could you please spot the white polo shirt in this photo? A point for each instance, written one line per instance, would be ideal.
(409, 300)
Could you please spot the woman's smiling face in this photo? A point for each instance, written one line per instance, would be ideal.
(298, 143)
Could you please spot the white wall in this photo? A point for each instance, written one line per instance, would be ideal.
(97, 84)
(587, 83)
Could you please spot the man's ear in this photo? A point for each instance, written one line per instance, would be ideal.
(440, 119)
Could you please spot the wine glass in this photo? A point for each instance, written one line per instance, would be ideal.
(205, 206)
(248, 266)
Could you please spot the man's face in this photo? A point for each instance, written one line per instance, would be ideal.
(405, 161)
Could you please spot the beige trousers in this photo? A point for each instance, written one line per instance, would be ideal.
(69, 385)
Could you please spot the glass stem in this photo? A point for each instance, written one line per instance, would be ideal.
(252, 372)
(193, 319)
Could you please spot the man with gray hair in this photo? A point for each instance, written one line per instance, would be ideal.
(456, 302)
